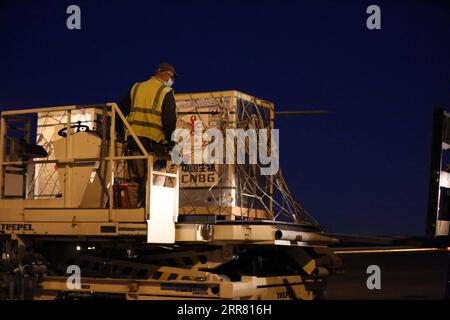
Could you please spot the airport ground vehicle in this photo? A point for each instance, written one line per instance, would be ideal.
(212, 231)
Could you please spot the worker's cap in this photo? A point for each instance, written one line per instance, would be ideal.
(162, 67)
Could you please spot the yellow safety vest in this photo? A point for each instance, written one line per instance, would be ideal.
(146, 109)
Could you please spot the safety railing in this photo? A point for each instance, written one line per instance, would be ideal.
(110, 113)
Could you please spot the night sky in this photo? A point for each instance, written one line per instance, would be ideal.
(361, 169)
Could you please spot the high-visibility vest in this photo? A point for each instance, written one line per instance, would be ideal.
(146, 109)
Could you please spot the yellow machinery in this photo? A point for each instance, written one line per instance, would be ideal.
(63, 171)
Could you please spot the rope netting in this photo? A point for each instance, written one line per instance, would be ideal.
(250, 189)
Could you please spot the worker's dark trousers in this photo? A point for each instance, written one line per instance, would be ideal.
(138, 167)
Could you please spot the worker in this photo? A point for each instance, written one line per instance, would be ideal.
(152, 116)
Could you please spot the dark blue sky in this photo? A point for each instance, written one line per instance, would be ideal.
(362, 169)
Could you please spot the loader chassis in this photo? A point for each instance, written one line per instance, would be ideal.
(64, 211)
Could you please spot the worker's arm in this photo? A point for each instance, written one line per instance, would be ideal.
(169, 116)
(125, 105)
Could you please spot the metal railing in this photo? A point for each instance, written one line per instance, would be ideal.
(110, 110)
